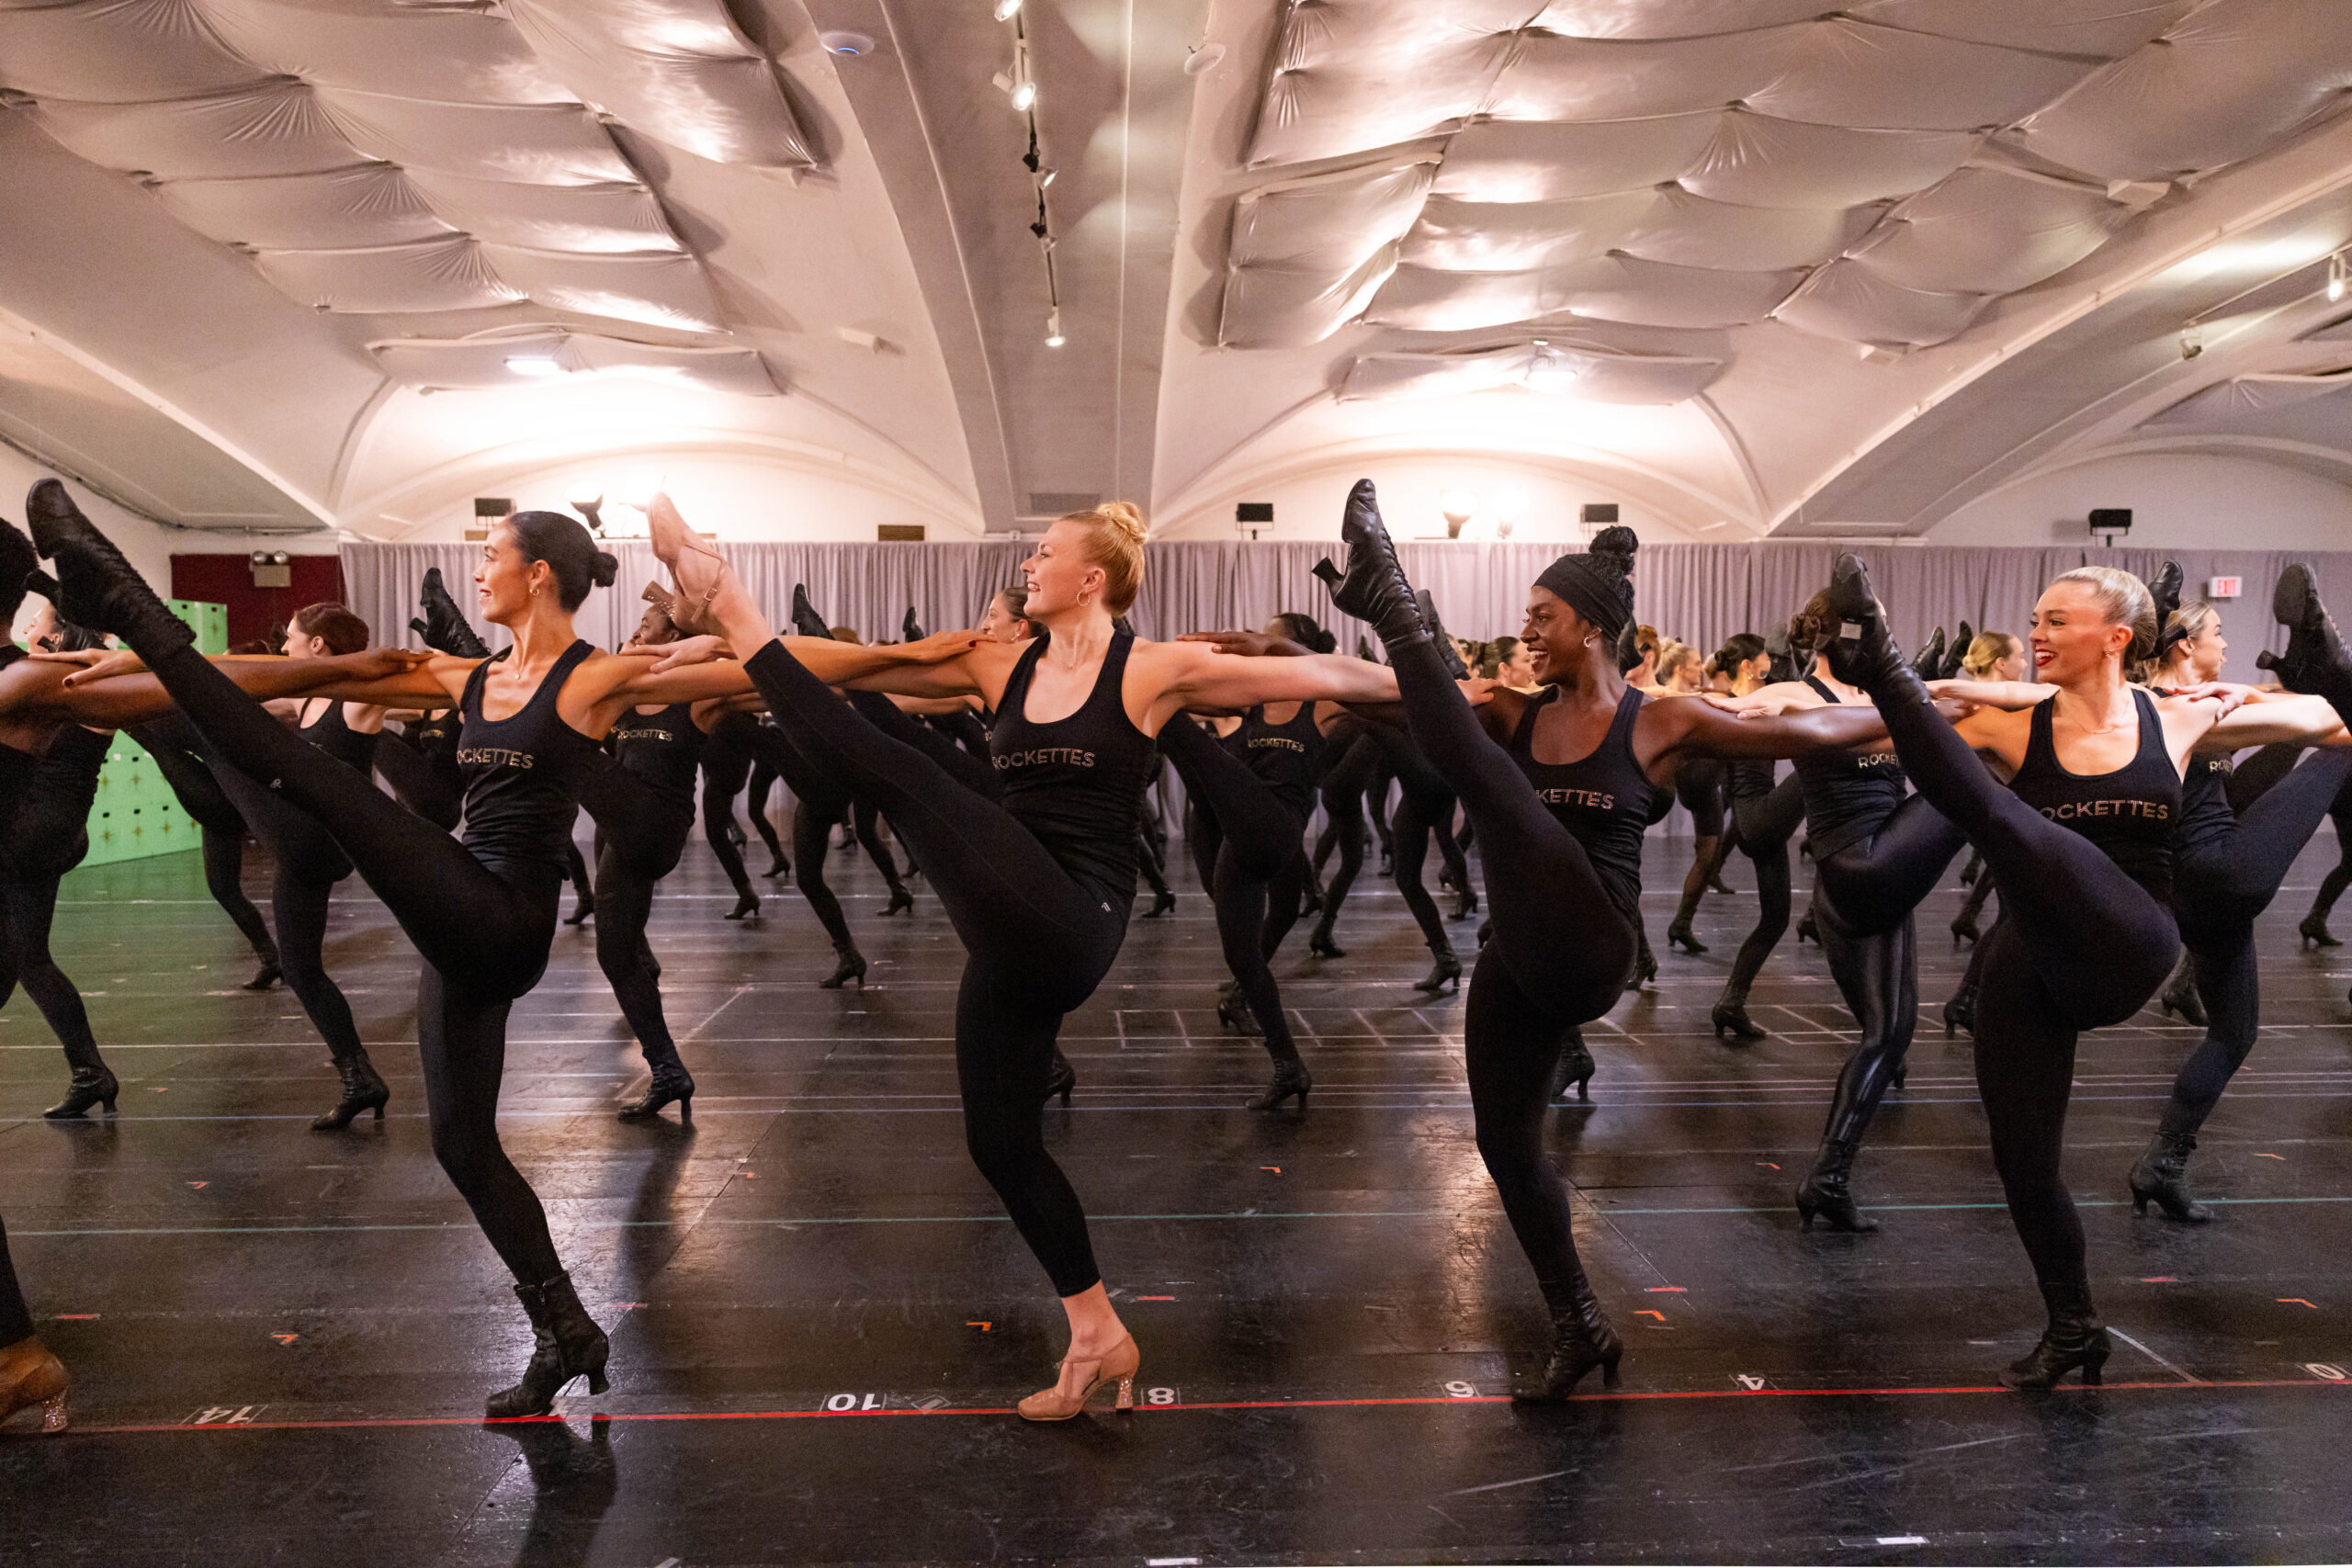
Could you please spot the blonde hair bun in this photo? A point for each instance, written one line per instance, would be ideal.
(1115, 531)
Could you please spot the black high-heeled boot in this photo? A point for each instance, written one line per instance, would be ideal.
(91, 1086)
(583, 905)
(2314, 933)
(270, 972)
(2179, 994)
(95, 586)
(1291, 1077)
(746, 905)
(1931, 658)
(851, 966)
(804, 619)
(2162, 1177)
(1582, 1340)
(443, 628)
(1863, 652)
(1233, 1012)
(671, 1084)
(1450, 655)
(1445, 971)
(910, 629)
(1574, 1068)
(1374, 589)
(1062, 1078)
(1161, 902)
(363, 1090)
(1678, 934)
(2076, 1337)
(900, 899)
(566, 1344)
(1807, 931)
(1827, 1192)
(2315, 661)
(1320, 946)
(1730, 1015)
(1961, 1012)
(1953, 661)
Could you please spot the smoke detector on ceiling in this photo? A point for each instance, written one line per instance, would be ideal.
(846, 44)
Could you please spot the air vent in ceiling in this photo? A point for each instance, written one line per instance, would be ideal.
(1598, 512)
(1059, 503)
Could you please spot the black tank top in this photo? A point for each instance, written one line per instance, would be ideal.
(1287, 756)
(1077, 782)
(2130, 814)
(1603, 799)
(1846, 794)
(663, 749)
(338, 739)
(523, 775)
(2206, 816)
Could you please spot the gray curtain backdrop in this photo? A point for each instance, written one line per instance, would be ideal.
(1701, 594)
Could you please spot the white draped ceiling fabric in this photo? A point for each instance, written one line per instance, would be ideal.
(1879, 175)
(412, 158)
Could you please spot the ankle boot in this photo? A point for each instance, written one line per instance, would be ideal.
(2161, 1176)
(1062, 1079)
(95, 586)
(1321, 945)
(852, 966)
(1863, 652)
(1581, 1341)
(1678, 933)
(1374, 589)
(1291, 1077)
(672, 1083)
(1730, 1015)
(2315, 661)
(1445, 971)
(1447, 653)
(2076, 1337)
(566, 1344)
(90, 1085)
(900, 899)
(1931, 658)
(1958, 657)
(805, 621)
(2179, 994)
(443, 628)
(2314, 933)
(1575, 1066)
(1825, 1192)
(363, 1090)
(1961, 1012)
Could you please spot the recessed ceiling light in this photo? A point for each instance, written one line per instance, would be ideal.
(848, 45)
(534, 365)
(1007, 9)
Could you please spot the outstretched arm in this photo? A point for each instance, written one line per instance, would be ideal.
(1693, 726)
(1195, 674)
(53, 692)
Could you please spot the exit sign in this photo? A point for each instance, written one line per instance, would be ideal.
(2224, 587)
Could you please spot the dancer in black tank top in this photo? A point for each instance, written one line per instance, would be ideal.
(173, 744)
(1037, 885)
(2083, 857)
(480, 912)
(1560, 786)
(309, 862)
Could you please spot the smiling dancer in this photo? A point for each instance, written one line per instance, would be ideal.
(1038, 886)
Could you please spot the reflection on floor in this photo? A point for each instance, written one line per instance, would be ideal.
(282, 1338)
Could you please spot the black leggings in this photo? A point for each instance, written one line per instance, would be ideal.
(2223, 887)
(483, 935)
(1344, 790)
(222, 829)
(425, 778)
(308, 863)
(1425, 805)
(1561, 954)
(15, 1318)
(1864, 893)
(725, 770)
(1250, 846)
(755, 805)
(1763, 824)
(639, 837)
(27, 909)
(1037, 942)
(2080, 947)
(818, 802)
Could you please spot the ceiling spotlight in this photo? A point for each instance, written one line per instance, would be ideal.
(2192, 343)
(1458, 507)
(1053, 338)
(1024, 95)
(534, 365)
(587, 492)
(1007, 9)
(2335, 278)
(1046, 177)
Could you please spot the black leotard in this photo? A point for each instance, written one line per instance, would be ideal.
(1847, 794)
(1077, 784)
(1287, 756)
(663, 749)
(2130, 814)
(2207, 816)
(523, 775)
(1603, 799)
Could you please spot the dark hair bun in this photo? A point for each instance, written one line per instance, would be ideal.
(1617, 540)
(606, 568)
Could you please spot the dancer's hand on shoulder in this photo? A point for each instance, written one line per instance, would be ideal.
(1479, 691)
(2230, 697)
(97, 663)
(939, 647)
(380, 663)
(686, 650)
(1759, 705)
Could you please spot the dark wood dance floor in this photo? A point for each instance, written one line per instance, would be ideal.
(282, 1339)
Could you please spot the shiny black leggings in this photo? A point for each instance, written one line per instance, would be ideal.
(1561, 956)
(1864, 892)
(2080, 947)
(1037, 941)
(2222, 887)
(483, 935)
(1763, 824)
(15, 1318)
(1247, 846)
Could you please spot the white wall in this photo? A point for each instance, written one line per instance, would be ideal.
(2177, 502)
(1308, 507)
(149, 547)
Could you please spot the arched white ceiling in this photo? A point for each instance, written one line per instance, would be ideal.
(291, 264)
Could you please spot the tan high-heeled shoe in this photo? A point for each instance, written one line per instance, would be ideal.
(29, 1375)
(697, 567)
(1121, 1362)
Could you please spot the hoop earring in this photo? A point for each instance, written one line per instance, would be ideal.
(1588, 639)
